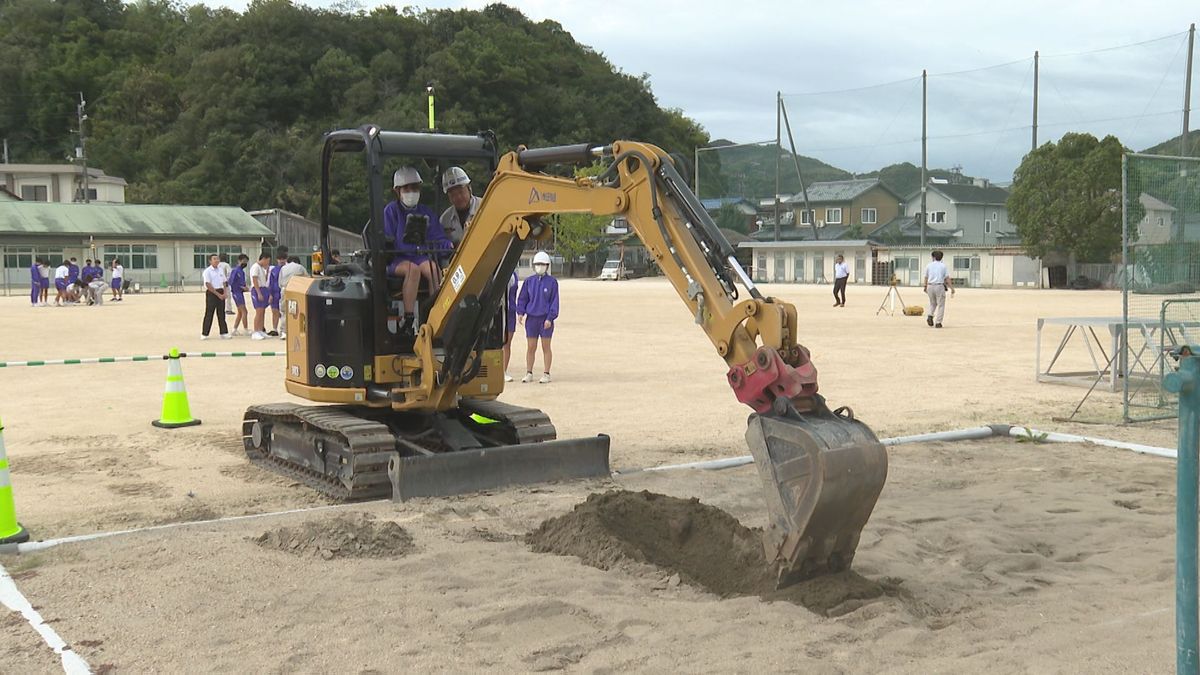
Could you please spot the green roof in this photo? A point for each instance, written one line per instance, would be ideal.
(129, 220)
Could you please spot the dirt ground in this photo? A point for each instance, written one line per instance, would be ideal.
(997, 555)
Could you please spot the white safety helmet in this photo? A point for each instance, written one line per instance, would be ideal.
(453, 177)
(405, 175)
(541, 258)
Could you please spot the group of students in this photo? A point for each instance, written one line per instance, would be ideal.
(265, 281)
(74, 284)
(418, 235)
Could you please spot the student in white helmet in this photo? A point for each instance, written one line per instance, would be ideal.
(537, 308)
(413, 230)
(463, 204)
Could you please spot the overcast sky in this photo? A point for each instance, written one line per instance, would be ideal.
(722, 62)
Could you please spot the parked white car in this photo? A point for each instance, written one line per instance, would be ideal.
(613, 270)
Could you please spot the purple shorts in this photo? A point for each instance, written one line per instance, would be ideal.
(510, 321)
(275, 298)
(44, 283)
(239, 298)
(259, 303)
(535, 327)
(116, 284)
(60, 284)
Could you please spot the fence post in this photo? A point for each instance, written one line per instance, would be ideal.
(1186, 383)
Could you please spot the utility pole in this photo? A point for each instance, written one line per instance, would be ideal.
(1036, 65)
(778, 152)
(81, 152)
(924, 147)
(812, 220)
(1187, 92)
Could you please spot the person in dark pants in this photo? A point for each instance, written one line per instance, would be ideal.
(841, 274)
(215, 290)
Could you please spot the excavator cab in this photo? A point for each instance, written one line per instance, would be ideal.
(418, 415)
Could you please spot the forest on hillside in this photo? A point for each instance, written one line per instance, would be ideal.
(201, 105)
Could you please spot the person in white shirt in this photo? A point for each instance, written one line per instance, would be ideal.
(260, 294)
(292, 268)
(226, 269)
(936, 281)
(215, 285)
(841, 274)
(61, 273)
(118, 278)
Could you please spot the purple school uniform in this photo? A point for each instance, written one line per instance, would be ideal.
(273, 285)
(35, 283)
(538, 300)
(72, 273)
(237, 285)
(394, 218)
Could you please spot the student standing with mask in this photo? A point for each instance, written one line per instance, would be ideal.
(537, 308)
(260, 294)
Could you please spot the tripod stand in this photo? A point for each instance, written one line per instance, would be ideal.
(890, 301)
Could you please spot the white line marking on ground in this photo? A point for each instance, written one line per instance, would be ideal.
(11, 597)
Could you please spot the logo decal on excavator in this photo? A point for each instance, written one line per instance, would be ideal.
(457, 279)
(535, 196)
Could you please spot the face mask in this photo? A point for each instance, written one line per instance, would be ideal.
(539, 269)
(410, 199)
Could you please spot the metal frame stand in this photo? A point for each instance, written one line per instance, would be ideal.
(889, 301)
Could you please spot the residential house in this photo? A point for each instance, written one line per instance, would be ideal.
(976, 213)
(1158, 224)
(61, 183)
(862, 204)
(745, 208)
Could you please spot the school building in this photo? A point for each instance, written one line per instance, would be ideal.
(161, 247)
(811, 262)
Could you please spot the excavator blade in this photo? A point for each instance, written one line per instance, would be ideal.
(821, 474)
(453, 473)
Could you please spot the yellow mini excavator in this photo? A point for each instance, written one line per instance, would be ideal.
(416, 412)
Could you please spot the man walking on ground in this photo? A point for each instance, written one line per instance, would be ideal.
(937, 280)
(841, 274)
(215, 290)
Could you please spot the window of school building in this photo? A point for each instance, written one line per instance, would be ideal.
(21, 257)
(201, 253)
(133, 256)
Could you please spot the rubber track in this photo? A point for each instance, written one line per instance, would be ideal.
(361, 436)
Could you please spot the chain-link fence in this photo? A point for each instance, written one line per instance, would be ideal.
(1161, 277)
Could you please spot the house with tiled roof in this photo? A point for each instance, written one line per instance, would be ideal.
(973, 213)
(865, 202)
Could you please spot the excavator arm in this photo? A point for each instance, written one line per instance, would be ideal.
(822, 470)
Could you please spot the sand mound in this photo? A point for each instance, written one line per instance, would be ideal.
(704, 545)
(340, 537)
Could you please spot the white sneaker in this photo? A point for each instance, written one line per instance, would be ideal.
(226, 336)
(236, 333)
(507, 377)
(528, 377)
(257, 336)
(283, 336)
(545, 379)
(203, 337)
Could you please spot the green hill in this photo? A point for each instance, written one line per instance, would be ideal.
(203, 105)
(905, 178)
(1171, 146)
(749, 171)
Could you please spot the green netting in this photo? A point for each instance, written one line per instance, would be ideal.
(1161, 277)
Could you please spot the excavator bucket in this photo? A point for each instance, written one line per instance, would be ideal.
(821, 474)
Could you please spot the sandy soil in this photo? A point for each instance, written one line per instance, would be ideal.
(1012, 556)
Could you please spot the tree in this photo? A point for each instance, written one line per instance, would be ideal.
(729, 218)
(1066, 197)
(580, 234)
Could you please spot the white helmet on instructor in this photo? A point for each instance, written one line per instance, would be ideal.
(541, 258)
(454, 177)
(405, 175)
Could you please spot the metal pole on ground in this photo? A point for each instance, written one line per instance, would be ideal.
(1187, 93)
(924, 145)
(1036, 64)
(1186, 383)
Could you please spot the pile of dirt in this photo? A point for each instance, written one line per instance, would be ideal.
(343, 536)
(704, 545)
